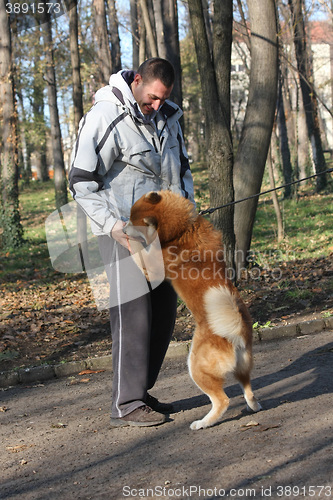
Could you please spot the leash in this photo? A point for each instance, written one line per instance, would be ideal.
(212, 210)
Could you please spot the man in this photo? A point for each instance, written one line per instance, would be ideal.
(128, 144)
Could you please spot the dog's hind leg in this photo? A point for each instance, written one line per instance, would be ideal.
(245, 382)
(211, 384)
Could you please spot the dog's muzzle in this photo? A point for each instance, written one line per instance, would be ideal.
(133, 233)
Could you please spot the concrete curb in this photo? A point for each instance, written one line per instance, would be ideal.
(176, 349)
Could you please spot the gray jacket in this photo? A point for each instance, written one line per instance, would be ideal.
(120, 155)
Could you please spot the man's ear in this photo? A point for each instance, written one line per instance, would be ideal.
(137, 78)
(151, 222)
(153, 197)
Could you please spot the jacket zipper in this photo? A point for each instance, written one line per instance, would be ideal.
(154, 143)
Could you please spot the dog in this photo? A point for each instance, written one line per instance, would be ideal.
(194, 265)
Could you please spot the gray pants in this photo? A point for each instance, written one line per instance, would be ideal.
(141, 330)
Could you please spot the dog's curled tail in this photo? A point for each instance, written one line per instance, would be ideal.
(224, 316)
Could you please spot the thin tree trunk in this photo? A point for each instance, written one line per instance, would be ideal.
(12, 235)
(256, 134)
(81, 218)
(149, 28)
(160, 33)
(274, 196)
(284, 144)
(135, 33)
(309, 97)
(143, 44)
(25, 142)
(75, 60)
(303, 149)
(208, 24)
(222, 41)
(39, 136)
(102, 39)
(60, 183)
(171, 34)
(114, 35)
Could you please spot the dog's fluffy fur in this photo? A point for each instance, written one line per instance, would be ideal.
(194, 265)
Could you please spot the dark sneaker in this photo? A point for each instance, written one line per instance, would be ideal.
(155, 404)
(144, 416)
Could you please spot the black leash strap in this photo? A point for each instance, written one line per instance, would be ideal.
(211, 210)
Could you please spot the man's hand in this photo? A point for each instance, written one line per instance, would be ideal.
(118, 234)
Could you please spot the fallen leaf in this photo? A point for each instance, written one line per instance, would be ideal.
(58, 426)
(263, 429)
(88, 372)
(252, 423)
(19, 447)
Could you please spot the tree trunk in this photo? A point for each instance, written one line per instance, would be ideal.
(255, 139)
(143, 42)
(208, 24)
(114, 35)
(26, 148)
(12, 235)
(135, 33)
(284, 143)
(167, 37)
(222, 41)
(274, 196)
(171, 46)
(39, 133)
(309, 96)
(303, 150)
(58, 159)
(159, 23)
(75, 60)
(149, 28)
(219, 145)
(102, 39)
(81, 218)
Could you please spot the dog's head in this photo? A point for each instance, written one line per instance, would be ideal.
(164, 213)
(143, 224)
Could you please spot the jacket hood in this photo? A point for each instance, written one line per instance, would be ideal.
(119, 92)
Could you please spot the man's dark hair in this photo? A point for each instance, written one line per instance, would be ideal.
(157, 69)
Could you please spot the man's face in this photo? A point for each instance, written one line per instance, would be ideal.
(149, 96)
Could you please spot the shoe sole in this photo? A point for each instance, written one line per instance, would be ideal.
(117, 422)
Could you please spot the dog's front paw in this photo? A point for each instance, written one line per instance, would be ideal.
(197, 424)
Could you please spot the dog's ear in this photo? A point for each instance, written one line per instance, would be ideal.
(153, 197)
(151, 222)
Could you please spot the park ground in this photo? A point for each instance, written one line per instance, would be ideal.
(56, 440)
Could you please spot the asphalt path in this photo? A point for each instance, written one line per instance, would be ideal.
(56, 441)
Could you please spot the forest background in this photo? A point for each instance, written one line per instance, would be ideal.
(256, 85)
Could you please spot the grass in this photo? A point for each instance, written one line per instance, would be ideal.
(308, 223)
(307, 220)
(308, 226)
(31, 260)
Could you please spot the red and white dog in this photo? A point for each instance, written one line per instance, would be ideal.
(193, 262)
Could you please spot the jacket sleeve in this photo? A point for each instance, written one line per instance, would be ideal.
(186, 178)
(89, 165)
